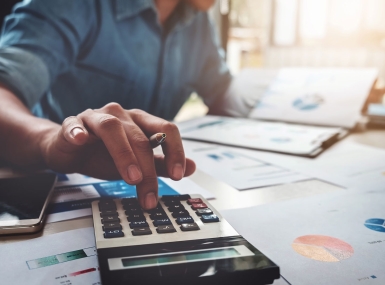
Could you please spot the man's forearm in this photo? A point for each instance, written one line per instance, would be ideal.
(22, 134)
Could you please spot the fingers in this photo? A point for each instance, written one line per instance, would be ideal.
(110, 130)
(161, 168)
(147, 189)
(74, 131)
(175, 160)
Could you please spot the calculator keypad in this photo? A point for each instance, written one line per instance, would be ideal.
(164, 217)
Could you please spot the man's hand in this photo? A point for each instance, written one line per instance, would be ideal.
(112, 143)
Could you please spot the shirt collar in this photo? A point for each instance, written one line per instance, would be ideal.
(128, 8)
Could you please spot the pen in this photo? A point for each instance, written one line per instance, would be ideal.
(157, 139)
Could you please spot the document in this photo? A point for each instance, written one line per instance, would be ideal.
(240, 169)
(67, 258)
(334, 238)
(347, 164)
(316, 96)
(74, 193)
(271, 136)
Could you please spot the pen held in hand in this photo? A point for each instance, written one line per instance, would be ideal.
(157, 139)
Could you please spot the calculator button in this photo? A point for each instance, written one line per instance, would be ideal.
(113, 234)
(165, 229)
(181, 213)
(175, 197)
(184, 220)
(189, 227)
(198, 206)
(158, 215)
(171, 203)
(209, 218)
(141, 231)
(158, 208)
(135, 217)
(194, 201)
(132, 209)
(130, 202)
(206, 211)
(160, 222)
(110, 219)
(106, 205)
(176, 208)
(108, 213)
(138, 224)
(111, 226)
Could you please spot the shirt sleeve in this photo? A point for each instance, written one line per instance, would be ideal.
(214, 77)
(41, 40)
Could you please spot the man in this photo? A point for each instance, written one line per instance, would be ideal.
(62, 63)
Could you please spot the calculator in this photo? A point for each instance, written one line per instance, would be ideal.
(184, 240)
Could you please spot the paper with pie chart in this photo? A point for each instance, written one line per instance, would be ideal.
(334, 238)
(317, 96)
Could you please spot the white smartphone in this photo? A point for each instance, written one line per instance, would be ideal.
(23, 200)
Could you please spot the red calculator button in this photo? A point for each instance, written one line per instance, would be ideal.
(198, 206)
(194, 201)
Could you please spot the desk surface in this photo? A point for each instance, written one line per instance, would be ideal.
(228, 197)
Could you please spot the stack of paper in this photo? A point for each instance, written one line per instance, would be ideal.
(317, 96)
(335, 238)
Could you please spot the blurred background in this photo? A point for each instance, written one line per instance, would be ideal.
(270, 34)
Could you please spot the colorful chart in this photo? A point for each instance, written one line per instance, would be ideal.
(322, 248)
(308, 102)
(375, 224)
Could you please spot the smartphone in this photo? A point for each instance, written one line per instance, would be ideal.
(23, 200)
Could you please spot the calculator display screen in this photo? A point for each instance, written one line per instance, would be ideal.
(180, 257)
(23, 198)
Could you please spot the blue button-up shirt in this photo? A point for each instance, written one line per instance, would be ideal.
(64, 56)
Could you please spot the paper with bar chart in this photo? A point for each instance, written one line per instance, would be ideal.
(239, 168)
(64, 258)
(334, 238)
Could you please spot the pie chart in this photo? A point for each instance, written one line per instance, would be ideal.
(322, 248)
(377, 225)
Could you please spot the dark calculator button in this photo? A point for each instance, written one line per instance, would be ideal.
(194, 201)
(176, 208)
(158, 208)
(110, 219)
(108, 213)
(111, 226)
(158, 215)
(135, 217)
(138, 224)
(175, 197)
(160, 222)
(171, 203)
(209, 218)
(181, 213)
(135, 209)
(189, 227)
(113, 234)
(141, 231)
(165, 229)
(198, 206)
(206, 211)
(130, 202)
(106, 205)
(184, 220)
